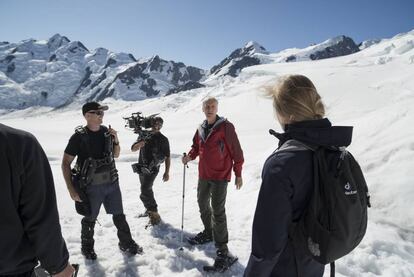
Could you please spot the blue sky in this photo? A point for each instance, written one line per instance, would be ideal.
(202, 33)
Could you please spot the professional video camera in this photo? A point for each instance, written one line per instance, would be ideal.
(139, 124)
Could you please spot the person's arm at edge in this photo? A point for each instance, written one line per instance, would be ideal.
(117, 149)
(193, 153)
(67, 175)
(166, 175)
(236, 153)
(38, 210)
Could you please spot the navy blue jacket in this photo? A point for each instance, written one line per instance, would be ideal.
(287, 184)
(29, 219)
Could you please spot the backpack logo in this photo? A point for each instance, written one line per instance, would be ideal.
(348, 189)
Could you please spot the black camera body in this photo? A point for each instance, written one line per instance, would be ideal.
(139, 124)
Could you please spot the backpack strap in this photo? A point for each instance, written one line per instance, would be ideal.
(293, 145)
(296, 145)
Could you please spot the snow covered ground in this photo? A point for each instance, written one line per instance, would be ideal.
(372, 90)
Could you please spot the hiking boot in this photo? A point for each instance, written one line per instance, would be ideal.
(87, 241)
(154, 217)
(132, 248)
(223, 260)
(126, 243)
(201, 238)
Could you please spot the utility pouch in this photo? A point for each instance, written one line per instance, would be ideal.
(141, 169)
(84, 207)
(97, 172)
(101, 178)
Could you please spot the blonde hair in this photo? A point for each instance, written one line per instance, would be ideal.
(208, 100)
(295, 98)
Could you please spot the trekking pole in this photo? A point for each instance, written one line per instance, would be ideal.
(182, 207)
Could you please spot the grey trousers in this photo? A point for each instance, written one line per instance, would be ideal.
(211, 197)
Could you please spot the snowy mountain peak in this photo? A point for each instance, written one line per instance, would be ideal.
(57, 41)
(76, 47)
(117, 59)
(330, 48)
(254, 47)
(155, 62)
(239, 59)
(334, 47)
(336, 40)
(57, 72)
(154, 58)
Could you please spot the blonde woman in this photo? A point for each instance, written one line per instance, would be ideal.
(287, 179)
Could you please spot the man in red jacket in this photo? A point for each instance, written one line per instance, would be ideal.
(218, 147)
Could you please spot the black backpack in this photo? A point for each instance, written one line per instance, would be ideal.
(335, 220)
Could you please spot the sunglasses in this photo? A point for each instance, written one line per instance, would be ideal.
(98, 113)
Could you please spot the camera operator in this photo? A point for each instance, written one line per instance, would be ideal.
(153, 151)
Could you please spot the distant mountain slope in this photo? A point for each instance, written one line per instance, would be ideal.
(253, 54)
(58, 71)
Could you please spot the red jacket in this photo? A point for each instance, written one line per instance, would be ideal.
(219, 152)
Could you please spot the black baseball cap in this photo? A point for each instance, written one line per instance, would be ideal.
(93, 106)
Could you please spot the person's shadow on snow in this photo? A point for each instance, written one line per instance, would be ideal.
(129, 268)
(94, 268)
(170, 236)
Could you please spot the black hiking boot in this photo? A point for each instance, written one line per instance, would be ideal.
(126, 243)
(201, 238)
(132, 248)
(87, 241)
(223, 261)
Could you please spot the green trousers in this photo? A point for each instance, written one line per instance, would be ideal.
(211, 197)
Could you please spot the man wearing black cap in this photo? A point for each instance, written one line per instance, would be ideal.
(153, 152)
(94, 179)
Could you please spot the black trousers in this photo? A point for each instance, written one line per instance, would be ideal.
(147, 194)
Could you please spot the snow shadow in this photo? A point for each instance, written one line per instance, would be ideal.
(94, 268)
(184, 257)
(129, 268)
